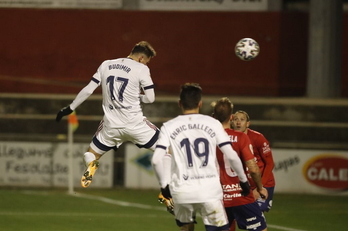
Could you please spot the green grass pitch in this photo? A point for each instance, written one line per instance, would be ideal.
(127, 210)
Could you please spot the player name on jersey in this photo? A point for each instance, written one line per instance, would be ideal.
(185, 127)
(120, 67)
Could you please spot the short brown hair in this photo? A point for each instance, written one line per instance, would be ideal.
(144, 48)
(223, 109)
(243, 112)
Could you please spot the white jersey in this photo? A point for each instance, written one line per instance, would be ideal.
(193, 139)
(121, 80)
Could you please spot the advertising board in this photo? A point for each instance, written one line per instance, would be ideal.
(296, 171)
(92, 4)
(35, 164)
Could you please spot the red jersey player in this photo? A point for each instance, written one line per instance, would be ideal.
(242, 209)
(263, 154)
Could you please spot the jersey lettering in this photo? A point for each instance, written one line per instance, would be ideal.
(200, 148)
(110, 80)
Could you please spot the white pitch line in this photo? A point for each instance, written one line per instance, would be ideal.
(77, 214)
(284, 228)
(117, 202)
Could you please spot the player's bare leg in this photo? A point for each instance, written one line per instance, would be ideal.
(91, 159)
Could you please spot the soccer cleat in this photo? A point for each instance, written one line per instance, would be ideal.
(167, 202)
(86, 179)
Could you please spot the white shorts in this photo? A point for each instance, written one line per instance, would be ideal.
(213, 213)
(144, 135)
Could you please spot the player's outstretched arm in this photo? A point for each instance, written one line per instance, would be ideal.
(84, 94)
(80, 98)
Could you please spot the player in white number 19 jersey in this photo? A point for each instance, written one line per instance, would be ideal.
(193, 180)
(122, 80)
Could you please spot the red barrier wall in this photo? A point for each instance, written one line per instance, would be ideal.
(57, 51)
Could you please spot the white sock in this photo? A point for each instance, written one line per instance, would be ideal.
(88, 157)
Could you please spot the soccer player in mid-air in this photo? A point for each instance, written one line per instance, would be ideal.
(122, 81)
(193, 180)
(263, 154)
(239, 208)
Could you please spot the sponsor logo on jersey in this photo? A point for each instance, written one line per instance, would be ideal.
(229, 197)
(231, 187)
(327, 171)
(266, 148)
(197, 177)
(122, 107)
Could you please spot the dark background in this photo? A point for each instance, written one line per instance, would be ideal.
(58, 51)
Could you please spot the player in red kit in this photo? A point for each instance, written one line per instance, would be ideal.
(263, 154)
(242, 209)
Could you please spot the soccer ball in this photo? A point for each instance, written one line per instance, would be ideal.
(247, 49)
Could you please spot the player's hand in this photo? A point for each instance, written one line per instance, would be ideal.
(63, 112)
(263, 193)
(166, 193)
(245, 188)
(256, 194)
